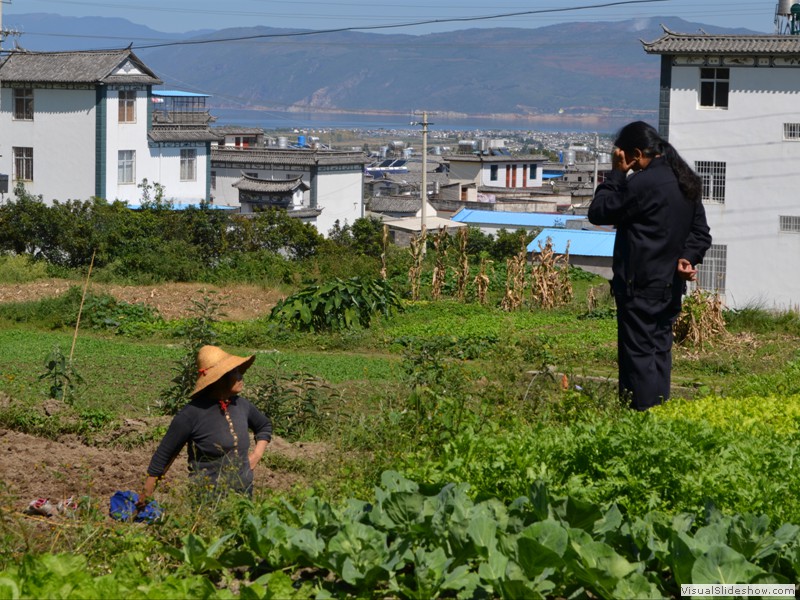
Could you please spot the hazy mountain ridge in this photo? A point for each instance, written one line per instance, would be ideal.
(570, 68)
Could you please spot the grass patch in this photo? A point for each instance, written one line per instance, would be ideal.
(21, 269)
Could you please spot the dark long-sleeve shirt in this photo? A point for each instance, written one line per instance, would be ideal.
(202, 425)
(656, 225)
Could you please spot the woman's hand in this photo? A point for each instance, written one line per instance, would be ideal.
(686, 271)
(257, 453)
(147, 492)
(620, 162)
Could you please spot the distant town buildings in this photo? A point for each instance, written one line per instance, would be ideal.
(83, 124)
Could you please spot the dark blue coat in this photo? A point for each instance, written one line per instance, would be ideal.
(656, 225)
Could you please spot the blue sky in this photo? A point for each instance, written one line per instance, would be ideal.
(186, 15)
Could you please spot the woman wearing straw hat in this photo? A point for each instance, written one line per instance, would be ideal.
(215, 426)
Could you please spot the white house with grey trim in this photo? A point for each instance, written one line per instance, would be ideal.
(729, 105)
(496, 175)
(332, 182)
(84, 123)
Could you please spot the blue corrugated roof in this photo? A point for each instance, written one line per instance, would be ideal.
(581, 242)
(185, 205)
(511, 219)
(178, 94)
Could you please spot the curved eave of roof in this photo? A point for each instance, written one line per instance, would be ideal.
(701, 43)
(253, 184)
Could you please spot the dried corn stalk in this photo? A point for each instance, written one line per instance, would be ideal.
(439, 267)
(701, 319)
(463, 263)
(383, 254)
(550, 286)
(515, 281)
(565, 291)
(416, 247)
(591, 300)
(482, 280)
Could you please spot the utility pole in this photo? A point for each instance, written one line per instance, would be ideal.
(424, 186)
(596, 150)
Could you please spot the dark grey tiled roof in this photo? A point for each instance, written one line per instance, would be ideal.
(701, 43)
(495, 159)
(236, 130)
(182, 135)
(88, 66)
(300, 213)
(270, 186)
(404, 204)
(415, 178)
(287, 157)
(538, 192)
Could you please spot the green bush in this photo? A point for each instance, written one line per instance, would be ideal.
(337, 305)
(21, 269)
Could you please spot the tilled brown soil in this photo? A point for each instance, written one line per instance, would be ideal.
(34, 467)
(172, 300)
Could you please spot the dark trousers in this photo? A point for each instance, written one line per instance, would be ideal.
(644, 346)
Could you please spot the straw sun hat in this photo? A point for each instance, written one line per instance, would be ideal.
(213, 363)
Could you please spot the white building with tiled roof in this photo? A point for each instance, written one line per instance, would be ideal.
(729, 105)
(498, 174)
(256, 194)
(82, 124)
(334, 181)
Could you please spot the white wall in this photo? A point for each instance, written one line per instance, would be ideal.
(341, 197)
(762, 177)
(481, 173)
(126, 136)
(62, 135)
(157, 164)
(163, 165)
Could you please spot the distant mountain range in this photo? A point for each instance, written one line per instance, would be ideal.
(568, 69)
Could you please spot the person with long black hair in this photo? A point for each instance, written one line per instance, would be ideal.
(662, 234)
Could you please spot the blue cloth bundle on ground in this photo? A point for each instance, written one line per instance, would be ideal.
(123, 508)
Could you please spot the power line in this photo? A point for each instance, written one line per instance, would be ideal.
(400, 25)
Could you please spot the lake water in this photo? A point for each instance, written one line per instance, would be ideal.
(318, 120)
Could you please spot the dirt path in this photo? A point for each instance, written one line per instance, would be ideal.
(172, 300)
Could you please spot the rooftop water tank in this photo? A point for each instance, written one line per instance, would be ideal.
(466, 145)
